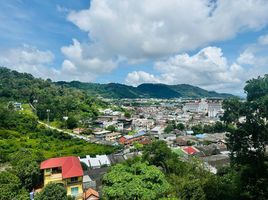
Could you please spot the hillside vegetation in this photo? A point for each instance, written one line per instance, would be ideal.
(146, 90)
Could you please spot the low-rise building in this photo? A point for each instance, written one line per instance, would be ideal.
(130, 139)
(112, 136)
(66, 171)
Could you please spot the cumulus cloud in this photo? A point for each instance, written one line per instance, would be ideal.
(137, 77)
(77, 57)
(208, 69)
(29, 59)
(263, 40)
(39, 63)
(153, 29)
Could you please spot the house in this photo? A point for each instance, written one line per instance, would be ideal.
(88, 183)
(181, 142)
(189, 132)
(96, 162)
(130, 139)
(78, 130)
(158, 130)
(112, 136)
(66, 171)
(190, 150)
(17, 106)
(91, 194)
(101, 134)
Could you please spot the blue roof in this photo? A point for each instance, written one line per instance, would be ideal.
(201, 136)
(140, 133)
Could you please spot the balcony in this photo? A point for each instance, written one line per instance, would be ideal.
(54, 178)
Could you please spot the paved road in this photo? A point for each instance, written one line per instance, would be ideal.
(63, 131)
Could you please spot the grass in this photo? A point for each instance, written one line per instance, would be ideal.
(178, 151)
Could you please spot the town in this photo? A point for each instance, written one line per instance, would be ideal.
(174, 121)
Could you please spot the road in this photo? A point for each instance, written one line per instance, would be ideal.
(63, 131)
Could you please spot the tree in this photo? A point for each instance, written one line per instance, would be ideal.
(9, 185)
(84, 166)
(71, 123)
(29, 173)
(197, 129)
(180, 126)
(111, 128)
(127, 114)
(169, 128)
(135, 181)
(248, 140)
(157, 153)
(52, 191)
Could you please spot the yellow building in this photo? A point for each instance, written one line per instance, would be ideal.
(66, 171)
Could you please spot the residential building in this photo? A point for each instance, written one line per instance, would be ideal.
(96, 162)
(130, 139)
(112, 136)
(66, 171)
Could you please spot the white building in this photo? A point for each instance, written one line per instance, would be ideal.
(96, 162)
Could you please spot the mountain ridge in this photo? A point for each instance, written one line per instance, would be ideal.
(145, 90)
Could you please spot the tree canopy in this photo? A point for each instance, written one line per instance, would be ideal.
(135, 181)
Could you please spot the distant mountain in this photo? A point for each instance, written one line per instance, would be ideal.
(146, 90)
(23, 86)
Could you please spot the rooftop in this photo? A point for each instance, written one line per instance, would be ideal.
(70, 166)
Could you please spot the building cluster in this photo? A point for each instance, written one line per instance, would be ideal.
(149, 121)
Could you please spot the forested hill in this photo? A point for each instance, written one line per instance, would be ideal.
(25, 87)
(60, 100)
(147, 90)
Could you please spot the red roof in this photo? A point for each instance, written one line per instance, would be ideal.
(90, 192)
(190, 150)
(70, 166)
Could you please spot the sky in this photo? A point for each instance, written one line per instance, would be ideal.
(214, 44)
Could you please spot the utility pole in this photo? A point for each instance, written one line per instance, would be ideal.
(48, 111)
(35, 101)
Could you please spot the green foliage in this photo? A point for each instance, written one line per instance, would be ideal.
(28, 172)
(172, 126)
(72, 123)
(197, 129)
(24, 134)
(111, 128)
(180, 126)
(52, 191)
(60, 100)
(148, 90)
(9, 185)
(232, 110)
(218, 127)
(127, 114)
(135, 181)
(248, 139)
(84, 166)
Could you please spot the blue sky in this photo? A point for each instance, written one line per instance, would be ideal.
(216, 45)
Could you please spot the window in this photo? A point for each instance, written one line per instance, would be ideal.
(74, 179)
(56, 170)
(74, 191)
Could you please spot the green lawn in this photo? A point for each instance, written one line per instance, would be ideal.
(178, 151)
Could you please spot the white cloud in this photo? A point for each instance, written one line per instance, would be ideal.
(263, 40)
(155, 28)
(39, 63)
(137, 77)
(208, 69)
(29, 59)
(76, 55)
(246, 57)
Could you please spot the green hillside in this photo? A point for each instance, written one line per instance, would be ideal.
(146, 90)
